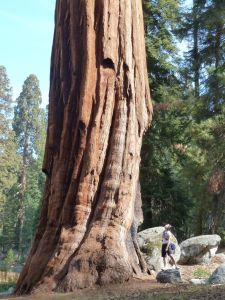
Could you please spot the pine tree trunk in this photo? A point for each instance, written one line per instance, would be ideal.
(218, 49)
(218, 207)
(196, 56)
(99, 109)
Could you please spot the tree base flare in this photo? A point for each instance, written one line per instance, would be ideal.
(99, 268)
(102, 259)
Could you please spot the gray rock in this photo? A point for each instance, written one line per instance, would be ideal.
(199, 249)
(150, 243)
(11, 290)
(8, 292)
(169, 276)
(198, 281)
(218, 276)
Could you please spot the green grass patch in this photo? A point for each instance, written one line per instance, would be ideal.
(201, 273)
(150, 246)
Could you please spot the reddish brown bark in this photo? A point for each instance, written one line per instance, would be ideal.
(99, 109)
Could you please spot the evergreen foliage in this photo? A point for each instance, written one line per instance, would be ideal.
(164, 194)
(29, 126)
(161, 18)
(183, 151)
(9, 163)
(26, 118)
(208, 114)
(22, 140)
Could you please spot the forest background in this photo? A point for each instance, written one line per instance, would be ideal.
(182, 170)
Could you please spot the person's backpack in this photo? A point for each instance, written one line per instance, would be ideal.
(172, 246)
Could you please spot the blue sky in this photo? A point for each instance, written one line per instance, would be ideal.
(26, 30)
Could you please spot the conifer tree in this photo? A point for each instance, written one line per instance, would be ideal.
(161, 18)
(35, 184)
(162, 188)
(25, 125)
(204, 30)
(213, 56)
(9, 161)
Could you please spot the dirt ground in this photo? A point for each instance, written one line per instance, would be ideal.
(144, 290)
(149, 289)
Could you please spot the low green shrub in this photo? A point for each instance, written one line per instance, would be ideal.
(4, 286)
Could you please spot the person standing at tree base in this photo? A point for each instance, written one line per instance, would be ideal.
(168, 248)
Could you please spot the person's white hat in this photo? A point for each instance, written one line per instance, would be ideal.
(168, 226)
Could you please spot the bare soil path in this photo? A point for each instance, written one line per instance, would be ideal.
(144, 290)
(148, 289)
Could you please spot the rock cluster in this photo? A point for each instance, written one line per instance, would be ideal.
(150, 242)
(195, 250)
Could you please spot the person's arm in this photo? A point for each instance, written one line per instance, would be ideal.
(169, 234)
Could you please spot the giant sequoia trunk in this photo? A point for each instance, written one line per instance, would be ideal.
(99, 109)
